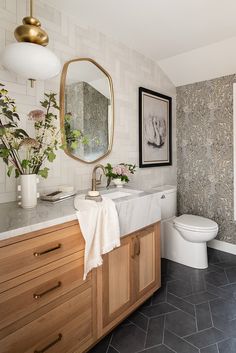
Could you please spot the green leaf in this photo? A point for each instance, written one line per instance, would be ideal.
(51, 156)
(4, 153)
(74, 145)
(43, 172)
(10, 169)
(17, 173)
(24, 163)
(2, 131)
(76, 133)
(20, 133)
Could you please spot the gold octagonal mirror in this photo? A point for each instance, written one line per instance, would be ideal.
(86, 110)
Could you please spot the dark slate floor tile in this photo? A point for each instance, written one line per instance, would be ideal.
(159, 349)
(213, 256)
(210, 349)
(155, 331)
(164, 265)
(156, 310)
(189, 300)
(128, 339)
(198, 285)
(180, 304)
(102, 346)
(218, 279)
(220, 292)
(230, 288)
(178, 271)
(220, 257)
(205, 338)
(231, 274)
(139, 320)
(203, 316)
(226, 326)
(159, 296)
(180, 288)
(225, 309)
(180, 323)
(199, 298)
(147, 303)
(111, 350)
(178, 344)
(227, 346)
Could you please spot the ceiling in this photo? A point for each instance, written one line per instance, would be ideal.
(160, 29)
(157, 28)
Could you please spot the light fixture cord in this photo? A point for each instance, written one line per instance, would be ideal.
(31, 8)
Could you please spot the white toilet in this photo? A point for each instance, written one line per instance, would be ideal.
(184, 238)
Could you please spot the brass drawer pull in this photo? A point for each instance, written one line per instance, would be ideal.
(138, 247)
(36, 254)
(40, 295)
(133, 248)
(58, 339)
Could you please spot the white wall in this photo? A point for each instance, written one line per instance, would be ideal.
(205, 63)
(128, 69)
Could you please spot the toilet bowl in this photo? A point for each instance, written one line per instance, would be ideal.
(184, 238)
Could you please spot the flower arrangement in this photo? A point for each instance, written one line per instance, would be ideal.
(21, 153)
(121, 171)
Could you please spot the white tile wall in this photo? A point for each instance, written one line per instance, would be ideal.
(128, 69)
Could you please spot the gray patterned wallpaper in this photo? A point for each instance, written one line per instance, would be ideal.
(205, 152)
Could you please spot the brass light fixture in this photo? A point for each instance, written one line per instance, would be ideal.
(29, 57)
(31, 31)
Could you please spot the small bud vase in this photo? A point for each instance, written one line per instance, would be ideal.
(28, 190)
(119, 183)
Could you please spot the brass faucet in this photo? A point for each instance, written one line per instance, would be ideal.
(96, 181)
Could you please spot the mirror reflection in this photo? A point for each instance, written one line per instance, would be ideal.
(86, 110)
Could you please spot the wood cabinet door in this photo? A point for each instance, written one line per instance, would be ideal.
(117, 281)
(147, 259)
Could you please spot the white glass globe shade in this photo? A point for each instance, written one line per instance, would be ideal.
(31, 61)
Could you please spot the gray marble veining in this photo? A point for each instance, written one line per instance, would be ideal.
(15, 220)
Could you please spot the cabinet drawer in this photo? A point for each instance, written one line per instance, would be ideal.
(19, 258)
(61, 330)
(32, 295)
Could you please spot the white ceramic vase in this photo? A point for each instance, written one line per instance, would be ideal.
(28, 190)
(119, 183)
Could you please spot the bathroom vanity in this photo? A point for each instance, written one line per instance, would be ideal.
(45, 305)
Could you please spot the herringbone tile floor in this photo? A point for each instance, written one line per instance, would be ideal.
(193, 312)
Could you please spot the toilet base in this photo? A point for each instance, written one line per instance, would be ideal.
(174, 247)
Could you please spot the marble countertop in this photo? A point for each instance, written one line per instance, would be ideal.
(15, 220)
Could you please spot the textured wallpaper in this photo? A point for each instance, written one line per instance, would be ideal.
(205, 152)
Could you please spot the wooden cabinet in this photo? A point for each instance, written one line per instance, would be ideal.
(148, 267)
(117, 281)
(46, 306)
(129, 275)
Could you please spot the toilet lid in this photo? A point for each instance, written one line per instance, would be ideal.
(189, 221)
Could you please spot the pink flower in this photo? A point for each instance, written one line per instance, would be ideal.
(28, 142)
(36, 115)
(120, 170)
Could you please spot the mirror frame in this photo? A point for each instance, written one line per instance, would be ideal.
(62, 107)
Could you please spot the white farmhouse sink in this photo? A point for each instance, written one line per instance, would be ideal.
(119, 193)
(136, 209)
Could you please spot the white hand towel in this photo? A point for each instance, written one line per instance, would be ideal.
(99, 225)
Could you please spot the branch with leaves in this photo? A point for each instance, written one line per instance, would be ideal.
(21, 153)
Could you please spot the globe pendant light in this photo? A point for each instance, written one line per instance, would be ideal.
(29, 58)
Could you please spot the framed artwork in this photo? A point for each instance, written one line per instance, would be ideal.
(155, 133)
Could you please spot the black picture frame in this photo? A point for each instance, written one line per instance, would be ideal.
(155, 129)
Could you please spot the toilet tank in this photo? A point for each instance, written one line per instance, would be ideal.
(168, 200)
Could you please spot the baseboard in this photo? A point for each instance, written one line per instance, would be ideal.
(223, 246)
